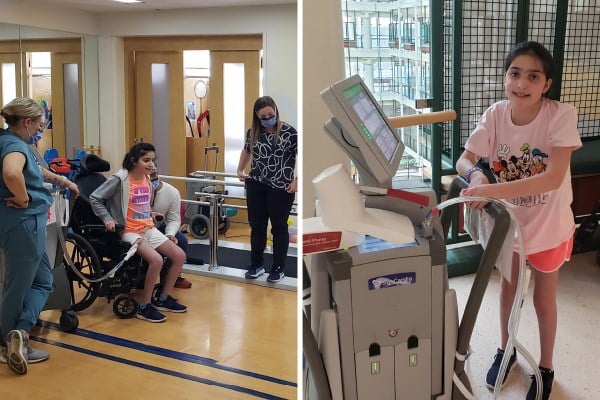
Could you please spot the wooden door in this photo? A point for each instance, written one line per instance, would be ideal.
(67, 105)
(160, 108)
(225, 116)
(10, 76)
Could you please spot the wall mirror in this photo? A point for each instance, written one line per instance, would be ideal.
(60, 71)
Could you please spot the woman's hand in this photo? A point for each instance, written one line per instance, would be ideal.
(292, 187)
(17, 203)
(241, 175)
(73, 188)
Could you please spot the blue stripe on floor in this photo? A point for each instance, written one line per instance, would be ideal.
(177, 355)
(154, 368)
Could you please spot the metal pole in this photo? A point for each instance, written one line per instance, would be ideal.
(437, 78)
(214, 232)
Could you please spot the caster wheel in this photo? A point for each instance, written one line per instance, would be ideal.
(69, 321)
(223, 224)
(125, 307)
(199, 226)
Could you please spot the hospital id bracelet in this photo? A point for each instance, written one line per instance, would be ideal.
(470, 171)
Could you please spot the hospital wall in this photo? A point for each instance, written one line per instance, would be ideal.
(323, 64)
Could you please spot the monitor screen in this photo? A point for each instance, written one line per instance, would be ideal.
(374, 126)
(362, 130)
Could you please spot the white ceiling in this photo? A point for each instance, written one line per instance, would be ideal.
(102, 6)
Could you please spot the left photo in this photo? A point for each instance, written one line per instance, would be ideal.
(149, 227)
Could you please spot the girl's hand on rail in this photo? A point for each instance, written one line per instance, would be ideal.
(241, 175)
(476, 188)
(478, 205)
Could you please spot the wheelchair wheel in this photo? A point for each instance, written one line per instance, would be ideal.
(85, 259)
(69, 321)
(199, 226)
(125, 307)
(223, 224)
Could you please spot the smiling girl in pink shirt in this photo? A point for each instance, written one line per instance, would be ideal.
(529, 139)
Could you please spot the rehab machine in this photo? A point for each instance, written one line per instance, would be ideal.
(383, 321)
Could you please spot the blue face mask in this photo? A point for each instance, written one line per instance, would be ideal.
(33, 139)
(267, 123)
(155, 184)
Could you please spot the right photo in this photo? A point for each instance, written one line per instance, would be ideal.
(450, 200)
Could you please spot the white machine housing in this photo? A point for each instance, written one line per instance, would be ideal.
(385, 319)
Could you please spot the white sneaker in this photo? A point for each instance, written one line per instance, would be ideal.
(36, 355)
(33, 355)
(17, 350)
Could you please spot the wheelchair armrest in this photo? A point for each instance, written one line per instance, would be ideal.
(101, 228)
(94, 227)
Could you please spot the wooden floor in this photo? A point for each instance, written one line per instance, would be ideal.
(237, 341)
(237, 232)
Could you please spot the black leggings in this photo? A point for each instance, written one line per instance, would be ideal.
(266, 203)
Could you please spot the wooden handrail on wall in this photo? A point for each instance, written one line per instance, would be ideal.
(422, 119)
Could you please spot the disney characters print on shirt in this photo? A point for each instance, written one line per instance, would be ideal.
(525, 163)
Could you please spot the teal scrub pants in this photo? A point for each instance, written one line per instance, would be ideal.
(28, 275)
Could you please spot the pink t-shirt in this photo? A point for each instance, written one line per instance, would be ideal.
(139, 213)
(519, 152)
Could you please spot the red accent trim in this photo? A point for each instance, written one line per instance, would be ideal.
(409, 196)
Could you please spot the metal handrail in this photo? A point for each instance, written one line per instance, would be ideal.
(226, 174)
(207, 203)
(225, 196)
(215, 199)
(199, 180)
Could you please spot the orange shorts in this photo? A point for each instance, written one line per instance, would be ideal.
(552, 259)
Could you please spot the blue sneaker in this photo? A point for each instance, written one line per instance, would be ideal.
(150, 314)
(254, 272)
(547, 379)
(494, 370)
(276, 274)
(169, 304)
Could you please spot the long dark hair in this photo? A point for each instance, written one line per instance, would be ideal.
(536, 50)
(136, 152)
(260, 103)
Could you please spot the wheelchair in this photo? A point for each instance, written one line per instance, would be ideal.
(93, 252)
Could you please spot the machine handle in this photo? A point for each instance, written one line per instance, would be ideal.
(314, 360)
(488, 260)
(422, 119)
(456, 186)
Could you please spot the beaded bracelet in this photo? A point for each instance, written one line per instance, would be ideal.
(470, 171)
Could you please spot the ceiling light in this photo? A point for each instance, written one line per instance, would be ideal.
(128, 1)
